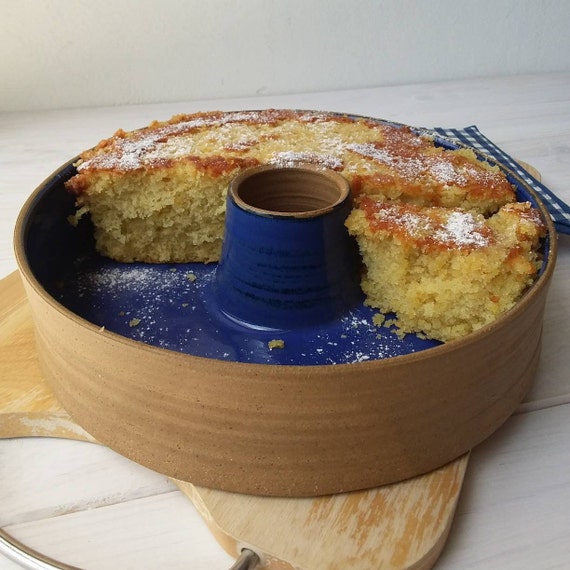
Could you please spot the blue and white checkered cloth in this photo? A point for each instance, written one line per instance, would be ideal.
(471, 136)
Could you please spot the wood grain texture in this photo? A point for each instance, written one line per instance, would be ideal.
(397, 527)
(27, 405)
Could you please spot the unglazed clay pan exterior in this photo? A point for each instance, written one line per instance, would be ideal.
(246, 419)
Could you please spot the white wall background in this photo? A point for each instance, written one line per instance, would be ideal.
(76, 53)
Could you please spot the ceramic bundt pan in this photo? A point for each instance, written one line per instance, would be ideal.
(270, 429)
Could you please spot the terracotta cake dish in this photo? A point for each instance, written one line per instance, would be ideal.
(280, 381)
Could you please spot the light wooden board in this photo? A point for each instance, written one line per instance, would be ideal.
(396, 527)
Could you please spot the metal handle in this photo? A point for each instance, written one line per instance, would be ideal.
(248, 560)
(32, 560)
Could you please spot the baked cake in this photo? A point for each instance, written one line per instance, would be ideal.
(444, 271)
(158, 195)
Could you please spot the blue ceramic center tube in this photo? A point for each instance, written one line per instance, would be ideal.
(287, 259)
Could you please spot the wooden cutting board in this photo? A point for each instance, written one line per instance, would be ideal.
(397, 527)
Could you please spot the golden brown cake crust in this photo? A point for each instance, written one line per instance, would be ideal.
(377, 158)
(427, 229)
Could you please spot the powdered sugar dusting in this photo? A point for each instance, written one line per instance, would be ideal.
(450, 228)
(370, 150)
(415, 165)
(173, 307)
(462, 230)
(357, 339)
(133, 279)
(288, 138)
(445, 173)
(132, 151)
(292, 158)
(413, 224)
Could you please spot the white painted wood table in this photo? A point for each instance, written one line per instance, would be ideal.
(92, 508)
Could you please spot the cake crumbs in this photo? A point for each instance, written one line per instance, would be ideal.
(379, 319)
(134, 322)
(191, 277)
(276, 343)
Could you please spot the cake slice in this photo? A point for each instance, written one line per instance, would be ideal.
(445, 272)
